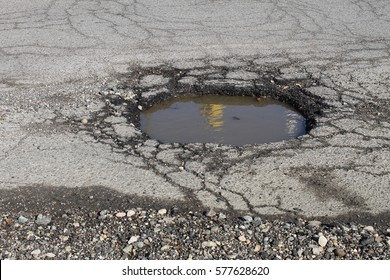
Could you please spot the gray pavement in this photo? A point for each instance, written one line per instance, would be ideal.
(73, 74)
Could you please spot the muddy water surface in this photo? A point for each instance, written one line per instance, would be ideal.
(233, 120)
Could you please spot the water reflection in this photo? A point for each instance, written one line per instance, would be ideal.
(234, 120)
(214, 115)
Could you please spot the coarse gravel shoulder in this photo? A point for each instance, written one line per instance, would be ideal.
(170, 234)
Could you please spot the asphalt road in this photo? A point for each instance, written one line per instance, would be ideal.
(67, 68)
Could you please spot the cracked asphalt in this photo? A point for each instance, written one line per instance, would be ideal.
(74, 76)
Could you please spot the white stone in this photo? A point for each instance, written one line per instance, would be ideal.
(317, 250)
(130, 213)
(162, 211)
(322, 241)
(369, 228)
(211, 244)
(127, 249)
(133, 239)
(165, 248)
(120, 214)
(50, 255)
(242, 238)
(36, 252)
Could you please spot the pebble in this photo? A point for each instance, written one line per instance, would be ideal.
(36, 252)
(140, 244)
(211, 244)
(165, 247)
(140, 107)
(242, 238)
(22, 220)
(130, 213)
(68, 249)
(103, 212)
(317, 250)
(257, 248)
(120, 214)
(211, 213)
(247, 219)
(162, 211)
(221, 216)
(366, 241)
(322, 241)
(133, 239)
(127, 249)
(339, 252)
(50, 255)
(369, 229)
(215, 229)
(84, 121)
(43, 220)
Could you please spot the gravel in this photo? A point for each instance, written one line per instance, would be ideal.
(168, 234)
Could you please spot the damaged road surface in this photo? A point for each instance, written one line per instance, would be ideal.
(75, 75)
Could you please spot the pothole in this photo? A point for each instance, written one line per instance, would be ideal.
(256, 106)
(232, 120)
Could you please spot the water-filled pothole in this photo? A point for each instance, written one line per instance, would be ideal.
(233, 120)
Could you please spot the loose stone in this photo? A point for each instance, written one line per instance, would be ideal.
(103, 212)
(50, 255)
(215, 229)
(366, 241)
(84, 121)
(322, 241)
(127, 249)
(211, 244)
(211, 213)
(165, 248)
(22, 220)
(162, 211)
(140, 244)
(369, 229)
(43, 220)
(257, 248)
(120, 214)
(242, 238)
(133, 239)
(221, 216)
(36, 252)
(247, 219)
(339, 252)
(130, 213)
(317, 250)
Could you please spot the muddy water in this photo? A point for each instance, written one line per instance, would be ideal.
(233, 120)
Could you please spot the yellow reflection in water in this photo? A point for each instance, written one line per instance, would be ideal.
(213, 114)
